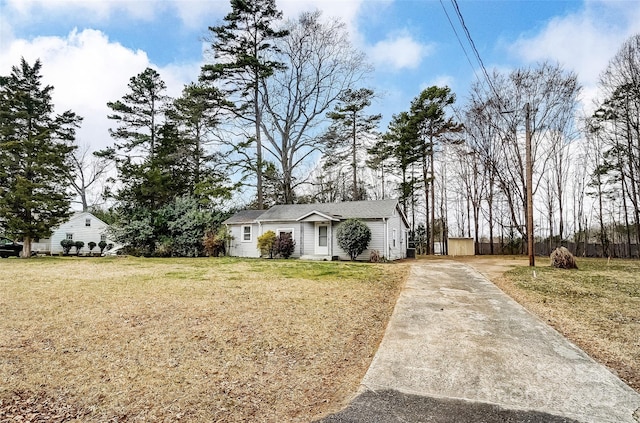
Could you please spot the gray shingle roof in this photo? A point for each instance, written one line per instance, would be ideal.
(245, 216)
(345, 210)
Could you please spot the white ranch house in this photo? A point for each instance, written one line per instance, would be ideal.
(82, 226)
(313, 227)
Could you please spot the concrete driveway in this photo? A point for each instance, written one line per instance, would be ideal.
(457, 349)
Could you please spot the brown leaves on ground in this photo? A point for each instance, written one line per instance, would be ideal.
(21, 406)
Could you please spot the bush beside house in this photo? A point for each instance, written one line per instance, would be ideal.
(353, 237)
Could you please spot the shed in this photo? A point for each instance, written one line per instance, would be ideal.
(461, 247)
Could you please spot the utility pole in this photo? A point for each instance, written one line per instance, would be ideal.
(529, 182)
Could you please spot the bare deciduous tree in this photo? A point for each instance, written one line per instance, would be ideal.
(321, 64)
(85, 173)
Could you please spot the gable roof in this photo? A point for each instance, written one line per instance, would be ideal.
(376, 209)
(80, 216)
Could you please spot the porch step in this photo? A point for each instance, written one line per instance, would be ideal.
(315, 257)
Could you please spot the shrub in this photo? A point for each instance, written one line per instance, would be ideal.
(266, 243)
(91, 246)
(562, 258)
(102, 245)
(284, 245)
(78, 245)
(353, 237)
(215, 242)
(67, 245)
(163, 249)
(376, 257)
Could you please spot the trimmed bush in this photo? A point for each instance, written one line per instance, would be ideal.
(78, 245)
(353, 237)
(67, 245)
(91, 246)
(102, 245)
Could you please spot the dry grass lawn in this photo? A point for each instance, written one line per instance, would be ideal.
(197, 340)
(597, 306)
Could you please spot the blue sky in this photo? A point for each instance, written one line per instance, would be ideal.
(90, 48)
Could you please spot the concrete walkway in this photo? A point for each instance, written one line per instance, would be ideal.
(457, 349)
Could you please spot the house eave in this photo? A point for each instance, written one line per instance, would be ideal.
(323, 215)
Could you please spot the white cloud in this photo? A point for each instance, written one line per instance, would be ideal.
(398, 52)
(583, 42)
(87, 70)
(440, 81)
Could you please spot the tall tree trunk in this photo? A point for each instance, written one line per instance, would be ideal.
(425, 179)
(356, 195)
(433, 195)
(490, 205)
(256, 111)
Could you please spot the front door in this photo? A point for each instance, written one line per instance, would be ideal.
(322, 239)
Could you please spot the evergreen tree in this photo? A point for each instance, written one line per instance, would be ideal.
(196, 115)
(163, 166)
(35, 150)
(350, 130)
(242, 49)
(398, 144)
(429, 115)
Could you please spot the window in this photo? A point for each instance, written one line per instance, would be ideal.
(289, 231)
(393, 239)
(103, 237)
(246, 234)
(87, 222)
(322, 236)
(70, 236)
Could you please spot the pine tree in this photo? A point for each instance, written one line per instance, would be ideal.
(429, 115)
(349, 131)
(35, 150)
(242, 48)
(196, 115)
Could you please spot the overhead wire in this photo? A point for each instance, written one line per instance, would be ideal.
(472, 44)
(464, 50)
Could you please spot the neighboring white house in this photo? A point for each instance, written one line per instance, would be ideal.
(81, 226)
(313, 227)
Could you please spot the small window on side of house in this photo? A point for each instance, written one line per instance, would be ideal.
(246, 233)
(70, 236)
(87, 222)
(103, 237)
(394, 237)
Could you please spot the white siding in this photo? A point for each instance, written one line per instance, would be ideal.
(376, 243)
(285, 226)
(398, 251)
(81, 232)
(308, 237)
(241, 248)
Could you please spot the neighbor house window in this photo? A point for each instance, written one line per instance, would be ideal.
(246, 234)
(87, 222)
(393, 238)
(103, 237)
(70, 236)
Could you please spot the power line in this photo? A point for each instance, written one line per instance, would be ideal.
(473, 47)
(459, 40)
